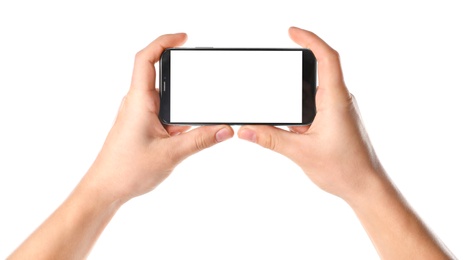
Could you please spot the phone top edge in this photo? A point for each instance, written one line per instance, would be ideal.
(233, 49)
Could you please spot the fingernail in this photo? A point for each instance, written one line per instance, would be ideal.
(175, 133)
(223, 134)
(248, 134)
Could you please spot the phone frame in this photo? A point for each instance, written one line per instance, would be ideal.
(309, 67)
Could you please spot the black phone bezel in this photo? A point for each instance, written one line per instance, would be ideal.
(309, 67)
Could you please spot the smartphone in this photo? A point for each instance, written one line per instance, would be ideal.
(236, 86)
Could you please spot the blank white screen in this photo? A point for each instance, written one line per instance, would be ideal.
(236, 86)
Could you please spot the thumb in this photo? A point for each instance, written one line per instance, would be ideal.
(199, 139)
(269, 137)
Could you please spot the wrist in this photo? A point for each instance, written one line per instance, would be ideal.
(374, 187)
(95, 190)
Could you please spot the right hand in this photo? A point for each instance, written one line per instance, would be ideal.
(335, 151)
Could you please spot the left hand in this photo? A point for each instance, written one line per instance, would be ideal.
(140, 152)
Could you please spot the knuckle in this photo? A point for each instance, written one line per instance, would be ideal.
(333, 56)
(139, 55)
(201, 143)
(270, 142)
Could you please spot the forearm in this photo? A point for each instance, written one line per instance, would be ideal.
(71, 231)
(138, 154)
(393, 227)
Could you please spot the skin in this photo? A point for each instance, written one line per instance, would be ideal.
(336, 154)
(140, 152)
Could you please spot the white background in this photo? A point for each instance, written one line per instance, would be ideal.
(236, 86)
(64, 68)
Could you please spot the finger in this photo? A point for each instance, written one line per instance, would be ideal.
(144, 75)
(329, 68)
(299, 129)
(269, 137)
(199, 139)
(176, 129)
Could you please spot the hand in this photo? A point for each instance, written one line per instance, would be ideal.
(336, 154)
(335, 151)
(140, 152)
